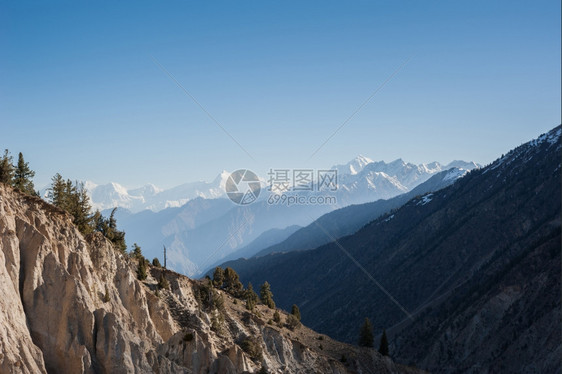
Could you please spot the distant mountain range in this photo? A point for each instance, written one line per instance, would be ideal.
(200, 227)
(463, 278)
(150, 197)
(360, 180)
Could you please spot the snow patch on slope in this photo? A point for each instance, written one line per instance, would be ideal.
(425, 199)
(455, 174)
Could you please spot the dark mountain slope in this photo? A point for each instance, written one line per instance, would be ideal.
(463, 240)
(506, 319)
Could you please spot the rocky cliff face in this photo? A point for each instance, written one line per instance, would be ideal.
(54, 317)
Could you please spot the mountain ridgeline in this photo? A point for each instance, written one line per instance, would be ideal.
(464, 279)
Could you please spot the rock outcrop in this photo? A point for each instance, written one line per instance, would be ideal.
(55, 316)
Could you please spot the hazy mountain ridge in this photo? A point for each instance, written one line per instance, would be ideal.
(477, 263)
(265, 240)
(347, 220)
(194, 245)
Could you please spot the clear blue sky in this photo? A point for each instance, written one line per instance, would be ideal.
(81, 95)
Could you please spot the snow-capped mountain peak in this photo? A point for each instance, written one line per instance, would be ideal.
(462, 165)
(146, 190)
(381, 180)
(397, 163)
(220, 180)
(89, 185)
(361, 161)
(354, 166)
(151, 197)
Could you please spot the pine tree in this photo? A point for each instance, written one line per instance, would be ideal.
(117, 237)
(72, 197)
(163, 282)
(295, 311)
(366, 338)
(6, 169)
(277, 317)
(156, 262)
(141, 270)
(218, 277)
(57, 192)
(266, 295)
(251, 297)
(69, 200)
(232, 283)
(383, 347)
(293, 322)
(137, 252)
(100, 223)
(23, 175)
(81, 208)
(108, 228)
